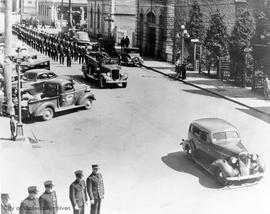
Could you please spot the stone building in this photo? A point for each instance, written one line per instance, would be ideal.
(49, 11)
(112, 17)
(159, 21)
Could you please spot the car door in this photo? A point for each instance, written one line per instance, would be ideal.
(68, 96)
(207, 148)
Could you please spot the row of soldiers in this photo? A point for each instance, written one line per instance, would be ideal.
(55, 46)
(47, 202)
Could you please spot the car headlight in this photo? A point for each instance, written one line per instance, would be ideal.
(233, 160)
(109, 74)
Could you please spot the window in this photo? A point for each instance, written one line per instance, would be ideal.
(151, 18)
(51, 75)
(223, 136)
(43, 76)
(68, 87)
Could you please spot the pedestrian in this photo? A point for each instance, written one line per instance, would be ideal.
(184, 70)
(83, 50)
(68, 55)
(77, 193)
(178, 68)
(79, 49)
(30, 205)
(266, 88)
(127, 42)
(12, 123)
(95, 189)
(5, 205)
(122, 43)
(48, 200)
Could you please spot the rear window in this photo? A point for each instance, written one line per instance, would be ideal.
(29, 76)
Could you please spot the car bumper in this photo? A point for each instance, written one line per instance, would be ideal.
(243, 179)
(115, 81)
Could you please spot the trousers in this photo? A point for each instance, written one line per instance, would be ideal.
(95, 208)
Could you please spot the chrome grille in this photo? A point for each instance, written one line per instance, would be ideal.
(115, 74)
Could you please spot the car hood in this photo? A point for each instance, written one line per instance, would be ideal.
(111, 67)
(232, 147)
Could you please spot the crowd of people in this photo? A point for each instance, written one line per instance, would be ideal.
(57, 47)
(79, 192)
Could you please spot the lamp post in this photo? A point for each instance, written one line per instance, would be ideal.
(109, 19)
(183, 34)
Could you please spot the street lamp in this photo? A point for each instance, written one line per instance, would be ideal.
(183, 34)
(109, 19)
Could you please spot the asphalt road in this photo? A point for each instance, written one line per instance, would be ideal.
(134, 135)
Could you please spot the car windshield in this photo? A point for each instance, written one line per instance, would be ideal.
(83, 36)
(29, 76)
(220, 137)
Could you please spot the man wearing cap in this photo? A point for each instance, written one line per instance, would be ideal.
(77, 193)
(30, 205)
(95, 189)
(5, 205)
(48, 200)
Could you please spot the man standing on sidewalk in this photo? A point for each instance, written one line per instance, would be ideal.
(266, 88)
(48, 200)
(12, 127)
(95, 189)
(77, 193)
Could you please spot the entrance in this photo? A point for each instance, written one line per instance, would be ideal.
(151, 43)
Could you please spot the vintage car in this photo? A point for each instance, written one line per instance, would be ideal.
(57, 95)
(36, 64)
(81, 38)
(131, 56)
(32, 80)
(215, 145)
(100, 67)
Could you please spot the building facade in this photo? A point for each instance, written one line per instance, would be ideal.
(159, 21)
(115, 18)
(28, 8)
(49, 11)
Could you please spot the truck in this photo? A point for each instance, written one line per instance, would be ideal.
(57, 95)
(102, 68)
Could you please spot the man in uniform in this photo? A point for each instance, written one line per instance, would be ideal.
(77, 193)
(5, 205)
(48, 200)
(68, 55)
(95, 189)
(30, 205)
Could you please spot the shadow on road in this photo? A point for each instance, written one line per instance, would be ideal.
(200, 92)
(258, 115)
(179, 162)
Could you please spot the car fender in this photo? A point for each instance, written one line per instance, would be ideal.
(224, 166)
(103, 75)
(190, 144)
(261, 164)
(86, 96)
(39, 110)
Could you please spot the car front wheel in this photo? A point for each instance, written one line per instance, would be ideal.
(47, 114)
(188, 152)
(88, 103)
(124, 84)
(220, 178)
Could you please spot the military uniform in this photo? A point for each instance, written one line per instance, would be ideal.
(95, 189)
(48, 203)
(30, 206)
(5, 205)
(77, 195)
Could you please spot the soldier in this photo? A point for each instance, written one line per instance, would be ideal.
(79, 49)
(61, 52)
(30, 205)
(5, 205)
(95, 189)
(48, 200)
(75, 50)
(12, 127)
(68, 55)
(83, 50)
(77, 193)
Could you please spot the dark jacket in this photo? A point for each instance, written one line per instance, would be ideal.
(30, 206)
(77, 193)
(48, 203)
(95, 186)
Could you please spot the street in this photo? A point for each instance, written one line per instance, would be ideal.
(134, 135)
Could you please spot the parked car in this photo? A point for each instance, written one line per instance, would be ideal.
(216, 146)
(131, 56)
(32, 80)
(36, 64)
(101, 68)
(57, 95)
(81, 38)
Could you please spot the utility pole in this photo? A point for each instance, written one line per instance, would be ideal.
(8, 63)
(62, 12)
(70, 13)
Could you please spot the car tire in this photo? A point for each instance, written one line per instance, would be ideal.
(47, 114)
(188, 152)
(220, 177)
(88, 103)
(124, 84)
(102, 82)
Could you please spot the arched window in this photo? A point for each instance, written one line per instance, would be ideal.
(151, 18)
(98, 19)
(91, 17)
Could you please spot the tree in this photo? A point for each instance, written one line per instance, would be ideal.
(240, 40)
(216, 41)
(195, 25)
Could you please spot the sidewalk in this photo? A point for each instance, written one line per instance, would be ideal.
(242, 96)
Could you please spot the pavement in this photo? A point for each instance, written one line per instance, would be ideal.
(242, 96)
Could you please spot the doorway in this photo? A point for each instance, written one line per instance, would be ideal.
(151, 41)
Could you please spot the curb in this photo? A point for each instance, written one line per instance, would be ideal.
(204, 89)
